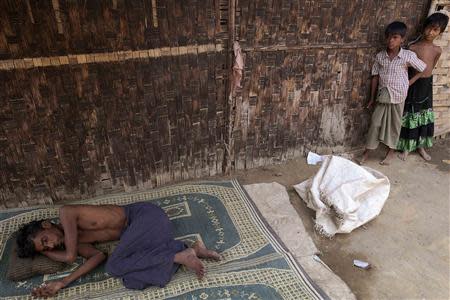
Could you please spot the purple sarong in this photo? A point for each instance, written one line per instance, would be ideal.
(144, 256)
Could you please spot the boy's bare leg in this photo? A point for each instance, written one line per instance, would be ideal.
(203, 252)
(403, 155)
(424, 154)
(364, 157)
(387, 159)
(188, 258)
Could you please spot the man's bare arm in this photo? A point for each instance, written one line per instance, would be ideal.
(68, 217)
(93, 258)
(438, 55)
(57, 255)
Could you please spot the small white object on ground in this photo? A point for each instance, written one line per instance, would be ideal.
(361, 264)
(313, 158)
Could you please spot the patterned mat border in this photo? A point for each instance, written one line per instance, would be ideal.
(278, 243)
(253, 213)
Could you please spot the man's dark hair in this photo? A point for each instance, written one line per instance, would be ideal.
(436, 19)
(25, 246)
(396, 28)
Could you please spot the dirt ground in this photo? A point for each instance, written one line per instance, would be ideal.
(407, 244)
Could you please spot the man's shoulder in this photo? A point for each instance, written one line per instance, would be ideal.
(427, 48)
(431, 48)
(70, 209)
(437, 48)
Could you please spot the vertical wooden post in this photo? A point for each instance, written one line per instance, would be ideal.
(57, 11)
(30, 12)
(154, 14)
(229, 144)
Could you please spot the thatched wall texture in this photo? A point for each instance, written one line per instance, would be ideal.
(307, 74)
(104, 96)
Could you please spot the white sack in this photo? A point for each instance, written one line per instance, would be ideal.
(344, 195)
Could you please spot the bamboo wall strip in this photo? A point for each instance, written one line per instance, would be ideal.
(310, 46)
(55, 61)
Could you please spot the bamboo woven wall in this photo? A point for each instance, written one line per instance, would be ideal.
(105, 96)
(307, 74)
(120, 95)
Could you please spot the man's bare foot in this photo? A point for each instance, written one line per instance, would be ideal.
(403, 155)
(203, 252)
(424, 154)
(189, 259)
(387, 160)
(364, 157)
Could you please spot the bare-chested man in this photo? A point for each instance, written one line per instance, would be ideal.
(418, 118)
(146, 255)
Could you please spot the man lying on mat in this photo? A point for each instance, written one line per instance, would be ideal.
(146, 255)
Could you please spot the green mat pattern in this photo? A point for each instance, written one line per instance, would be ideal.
(255, 265)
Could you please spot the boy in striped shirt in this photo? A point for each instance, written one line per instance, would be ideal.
(390, 84)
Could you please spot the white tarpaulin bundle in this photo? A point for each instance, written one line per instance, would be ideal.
(344, 195)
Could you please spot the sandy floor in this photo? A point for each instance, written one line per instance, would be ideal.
(408, 244)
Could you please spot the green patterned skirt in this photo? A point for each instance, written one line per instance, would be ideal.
(418, 117)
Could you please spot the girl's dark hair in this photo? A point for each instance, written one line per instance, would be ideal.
(25, 246)
(396, 28)
(436, 19)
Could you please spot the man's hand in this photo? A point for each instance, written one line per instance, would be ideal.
(370, 104)
(48, 289)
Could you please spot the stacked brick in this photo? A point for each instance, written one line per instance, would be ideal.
(441, 85)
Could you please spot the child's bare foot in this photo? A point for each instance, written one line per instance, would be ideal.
(424, 154)
(364, 157)
(387, 160)
(403, 155)
(189, 258)
(203, 252)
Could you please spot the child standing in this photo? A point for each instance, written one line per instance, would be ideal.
(390, 84)
(418, 118)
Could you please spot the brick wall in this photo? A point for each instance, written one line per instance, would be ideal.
(441, 87)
